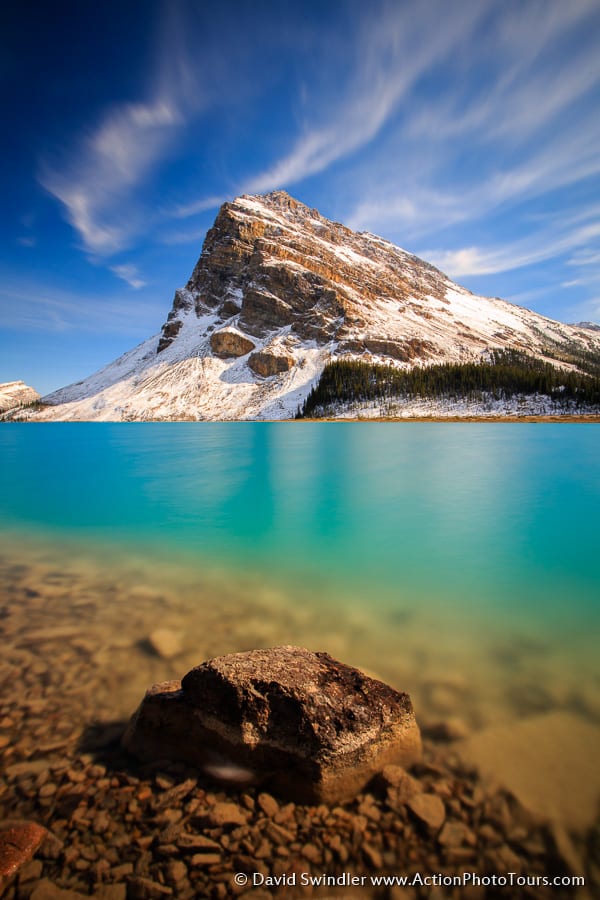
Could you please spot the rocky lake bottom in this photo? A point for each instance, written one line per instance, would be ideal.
(508, 783)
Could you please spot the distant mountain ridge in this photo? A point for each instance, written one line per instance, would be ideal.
(16, 394)
(277, 293)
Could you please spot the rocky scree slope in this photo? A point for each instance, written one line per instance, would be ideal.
(277, 293)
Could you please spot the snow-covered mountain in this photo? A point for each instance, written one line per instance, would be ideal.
(278, 292)
(14, 394)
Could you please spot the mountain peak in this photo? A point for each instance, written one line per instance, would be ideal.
(279, 291)
(276, 198)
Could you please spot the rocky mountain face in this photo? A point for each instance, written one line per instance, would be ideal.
(279, 291)
(14, 394)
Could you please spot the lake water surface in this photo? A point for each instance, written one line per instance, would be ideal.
(458, 561)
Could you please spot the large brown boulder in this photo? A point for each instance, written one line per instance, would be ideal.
(19, 840)
(312, 728)
(226, 343)
(267, 364)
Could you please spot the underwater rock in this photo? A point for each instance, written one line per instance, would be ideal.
(165, 643)
(428, 809)
(312, 728)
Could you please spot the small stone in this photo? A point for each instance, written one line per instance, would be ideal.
(31, 871)
(265, 850)
(507, 859)
(196, 843)
(170, 800)
(205, 859)
(402, 786)
(165, 643)
(122, 871)
(372, 855)
(369, 808)
(453, 834)
(223, 814)
(47, 890)
(450, 729)
(311, 853)
(392, 776)
(101, 822)
(428, 809)
(164, 782)
(489, 835)
(48, 790)
(25, 769)
(278, 834)
(176, 871)
(268, 804)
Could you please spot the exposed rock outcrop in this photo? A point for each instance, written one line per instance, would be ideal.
(310, 727)
(294, 267)
(227, 343)
(267, 364)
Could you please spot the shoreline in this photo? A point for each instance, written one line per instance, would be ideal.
(583, 420)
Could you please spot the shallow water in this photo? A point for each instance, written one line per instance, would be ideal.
(458, 561)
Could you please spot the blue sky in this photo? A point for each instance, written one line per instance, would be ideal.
(466, 132)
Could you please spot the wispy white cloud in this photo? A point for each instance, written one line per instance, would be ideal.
(477, 109)
(507, 257)
(530, 81)
(585, 257)
(470, 152)
(186, 210)
(100, 178)
(128, 273)
(427, 198)
(108, 163)
(393, 50)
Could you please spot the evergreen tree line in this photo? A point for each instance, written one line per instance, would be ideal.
(504, 374)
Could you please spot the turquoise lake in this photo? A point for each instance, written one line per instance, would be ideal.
(426, 552)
